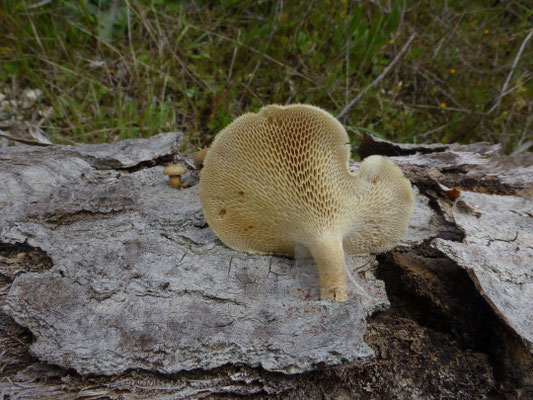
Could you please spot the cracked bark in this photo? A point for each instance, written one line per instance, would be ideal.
(114, 286)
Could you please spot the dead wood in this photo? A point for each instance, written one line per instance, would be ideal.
(114, 287)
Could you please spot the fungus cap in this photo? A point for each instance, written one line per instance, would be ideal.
(174, 169)
(280, 178)
(199, 156)
(174, 173)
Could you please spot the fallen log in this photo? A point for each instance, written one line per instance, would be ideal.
(113, 283)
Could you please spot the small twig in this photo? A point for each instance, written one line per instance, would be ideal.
(441, 42)
(347, 72)
(233, 56)
(71, 71)
(463, 110)
(513, 67)
(247, 84)
(526, 127)
(337, 105)
(425, 134)
(525, 78)
(379, 78)
(39, 4)
(25, 141)
(37, 38)
(128, 6)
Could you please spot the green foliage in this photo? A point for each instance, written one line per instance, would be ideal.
(114, 69)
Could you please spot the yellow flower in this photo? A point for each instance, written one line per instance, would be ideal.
(486, 31)
(443, 105)
(391, 41)
(452, 71)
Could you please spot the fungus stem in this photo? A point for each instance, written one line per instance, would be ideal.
(329, 257)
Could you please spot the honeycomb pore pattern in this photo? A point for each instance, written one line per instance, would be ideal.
(280, 178)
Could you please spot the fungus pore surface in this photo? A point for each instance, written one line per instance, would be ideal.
(280, 179)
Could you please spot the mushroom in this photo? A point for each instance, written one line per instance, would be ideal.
(198, 158)
(279, 179)
(174, 173)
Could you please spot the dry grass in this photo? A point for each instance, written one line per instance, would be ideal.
(113, 69)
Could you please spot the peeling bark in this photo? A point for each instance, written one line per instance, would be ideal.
(113, 283)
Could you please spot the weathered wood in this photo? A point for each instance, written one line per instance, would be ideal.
(139, 281)
(496, 225)
(111, 270)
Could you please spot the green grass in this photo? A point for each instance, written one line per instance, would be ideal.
(118, 69)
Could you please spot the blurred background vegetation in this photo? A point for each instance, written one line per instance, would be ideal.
(114, 69)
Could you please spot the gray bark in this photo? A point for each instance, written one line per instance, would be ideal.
(116, 277)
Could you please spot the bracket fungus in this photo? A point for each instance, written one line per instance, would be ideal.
(278, 180)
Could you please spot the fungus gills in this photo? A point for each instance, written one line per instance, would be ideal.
(280, 179)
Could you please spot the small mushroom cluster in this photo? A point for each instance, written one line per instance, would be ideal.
(279, 179)
(177, 174)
